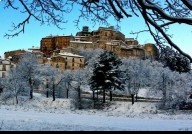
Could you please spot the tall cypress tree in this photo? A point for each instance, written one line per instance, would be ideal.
(106, 74)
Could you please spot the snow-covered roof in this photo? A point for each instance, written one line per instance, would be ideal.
(6, 61)
(69, 54)
(9, 57)
(132, 47)
(82, 42)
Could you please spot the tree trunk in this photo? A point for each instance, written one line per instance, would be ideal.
(136, 97)
(31, 88)
(79, 93)
(110, 95)
(67, 93)
(132, 98)
(53, 92)
(16, 99)
(31, 93)
(47, 93)
(97, 95)
(93, 95)
(103, 95)
(164, 90)
(164, 97)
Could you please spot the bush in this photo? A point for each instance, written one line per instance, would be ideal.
(185, 105)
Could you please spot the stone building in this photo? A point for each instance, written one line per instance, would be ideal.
(85, 32)
(133, 51)
(103, 35)
(114, 46)
(40, 55)
(5, 66)
(66, 60)
(14, 56)
(83, 44)
(63, 50)
(50, 43)
(131, 41)
(12, 53)
(152, 51)
(123, 49)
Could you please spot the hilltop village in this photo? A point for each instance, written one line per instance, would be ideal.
(62, 51)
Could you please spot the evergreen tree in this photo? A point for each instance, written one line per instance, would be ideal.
(106, 74)
(174, 60)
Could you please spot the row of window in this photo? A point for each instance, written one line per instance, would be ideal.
(73, 60)
(57, 65)
(4, 67)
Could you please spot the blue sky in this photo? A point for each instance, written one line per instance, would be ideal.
(34, 31)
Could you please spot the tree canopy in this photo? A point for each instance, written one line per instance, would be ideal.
(158, 15)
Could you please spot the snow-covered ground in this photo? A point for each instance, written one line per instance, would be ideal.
(44, 114)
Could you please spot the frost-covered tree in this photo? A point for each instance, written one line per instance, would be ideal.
(67, 79)
(135, 75)
(90, 54)
(53, 77)
(14, 86)
(1, 85)
(173, 86)
(180, 90)
(79, 79)
(27, 66)
(106, 74)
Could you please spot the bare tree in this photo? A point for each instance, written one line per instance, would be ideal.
(53, 78)
(14, 86)
(67, 76)
(158, 15)
(27, 67)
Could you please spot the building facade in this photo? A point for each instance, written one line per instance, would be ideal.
(85, 32)
(83, 44)
(12, 53)
(66, 60)
(50, 43)
(106, 34)
(5, 67)
(136, 51)
(131, 41)
(152, 51)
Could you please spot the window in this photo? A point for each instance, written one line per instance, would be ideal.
(80, 60)
(4, 68)
(73, 60)
(72, 64)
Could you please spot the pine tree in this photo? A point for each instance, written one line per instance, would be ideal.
(174, 60)
(106, 74)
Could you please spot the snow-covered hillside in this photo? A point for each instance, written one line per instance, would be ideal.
(44, 114)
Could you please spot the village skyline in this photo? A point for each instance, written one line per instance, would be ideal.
(34, 31)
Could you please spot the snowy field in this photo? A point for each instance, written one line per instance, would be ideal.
(43, 114)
